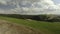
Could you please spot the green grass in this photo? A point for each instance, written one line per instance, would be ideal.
(44, 27)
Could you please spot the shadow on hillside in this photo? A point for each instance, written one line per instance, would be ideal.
(33, 17)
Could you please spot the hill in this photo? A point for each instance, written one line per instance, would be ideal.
(42, 26)
(12, 28)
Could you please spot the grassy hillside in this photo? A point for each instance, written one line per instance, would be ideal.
(44, 27)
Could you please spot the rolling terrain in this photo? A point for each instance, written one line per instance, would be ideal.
(13, 28)
(38, 27)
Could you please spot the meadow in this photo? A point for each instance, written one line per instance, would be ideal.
(44, 27)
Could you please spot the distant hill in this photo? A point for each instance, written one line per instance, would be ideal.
(42, 17)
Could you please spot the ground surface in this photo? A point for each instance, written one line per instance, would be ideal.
(12, 28)
(42, 26)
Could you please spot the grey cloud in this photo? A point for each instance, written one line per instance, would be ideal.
(29, 6)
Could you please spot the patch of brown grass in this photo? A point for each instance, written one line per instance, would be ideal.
(11, 28)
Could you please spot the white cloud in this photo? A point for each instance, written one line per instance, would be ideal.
(31, 6)
(2, 2)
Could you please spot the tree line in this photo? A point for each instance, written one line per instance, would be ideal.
(49, 18)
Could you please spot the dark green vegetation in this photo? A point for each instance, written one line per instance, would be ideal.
(49, 18)
(44, 26)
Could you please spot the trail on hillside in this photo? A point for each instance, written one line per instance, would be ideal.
(12, 28)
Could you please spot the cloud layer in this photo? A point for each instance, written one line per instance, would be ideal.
(29, 7)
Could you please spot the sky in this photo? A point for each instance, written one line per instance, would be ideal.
(56, 1)
(30, 7)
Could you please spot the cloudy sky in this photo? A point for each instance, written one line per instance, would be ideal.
(30, 7)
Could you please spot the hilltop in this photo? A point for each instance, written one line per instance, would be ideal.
(13, 28)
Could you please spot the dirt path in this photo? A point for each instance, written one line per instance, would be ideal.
(10, 28)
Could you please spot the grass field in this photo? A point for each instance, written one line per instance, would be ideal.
(44, 27)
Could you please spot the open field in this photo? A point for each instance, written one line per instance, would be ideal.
(12, 28)
(44, 27)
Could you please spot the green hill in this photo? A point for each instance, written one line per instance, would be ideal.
(44, 27)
